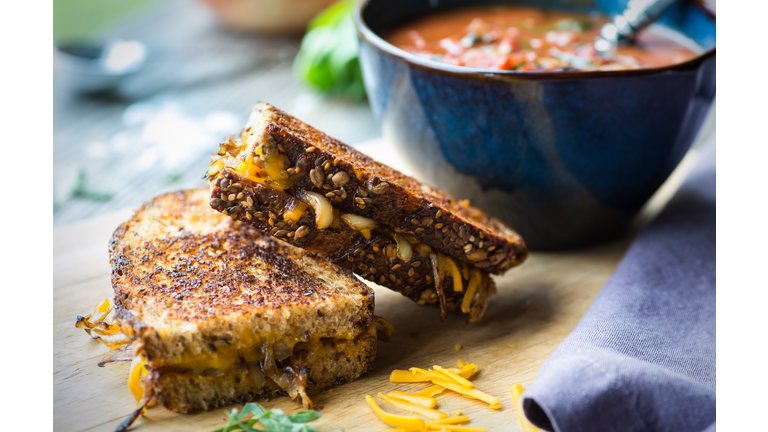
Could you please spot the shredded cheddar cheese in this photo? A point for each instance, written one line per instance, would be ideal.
(136, 379)
(454, 377)
(293, 215)
(272, 175)
(401, 421)
(517, 398)
(457, 428)
(428, 402)
(449, 420)
(467, 370)
(431, 391)
(474, 282)
(402, 376)
(138, 371)
(424, 404)
(457, 347)
(494, 402)
(413, 408)
(443, 374)
(454, 271)
(465, 270)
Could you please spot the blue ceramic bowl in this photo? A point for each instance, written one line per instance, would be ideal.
(565, 158)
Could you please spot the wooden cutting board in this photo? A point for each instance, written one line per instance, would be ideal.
(537, 306)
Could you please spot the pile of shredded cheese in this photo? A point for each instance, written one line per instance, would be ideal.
(423, 403)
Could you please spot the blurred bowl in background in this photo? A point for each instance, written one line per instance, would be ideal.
(272, 17)
(98, 67)
(565, 158)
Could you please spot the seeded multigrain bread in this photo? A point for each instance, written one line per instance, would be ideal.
(278, 162)
(220, 313)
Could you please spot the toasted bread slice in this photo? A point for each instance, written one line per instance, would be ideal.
(364, 216)
(221, 313)
(283, 153)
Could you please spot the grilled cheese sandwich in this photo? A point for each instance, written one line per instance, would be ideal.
(310, 190)
(219, 313)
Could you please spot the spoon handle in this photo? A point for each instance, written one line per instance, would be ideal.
(638, 14)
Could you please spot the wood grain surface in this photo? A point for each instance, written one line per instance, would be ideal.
(537, 306)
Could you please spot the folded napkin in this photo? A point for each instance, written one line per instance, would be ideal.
(643, 356)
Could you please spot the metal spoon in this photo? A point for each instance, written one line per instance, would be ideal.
(624, 27)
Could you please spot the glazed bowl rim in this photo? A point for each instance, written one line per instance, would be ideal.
(367, 34)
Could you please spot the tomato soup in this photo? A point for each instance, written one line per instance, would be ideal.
(528, 40)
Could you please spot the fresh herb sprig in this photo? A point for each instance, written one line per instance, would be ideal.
(329, 56)
(80, 190)
(273, 420)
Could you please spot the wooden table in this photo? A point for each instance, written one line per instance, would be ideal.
(537, 306)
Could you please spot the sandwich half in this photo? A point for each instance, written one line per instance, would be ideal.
(315, 192)
(220, 313)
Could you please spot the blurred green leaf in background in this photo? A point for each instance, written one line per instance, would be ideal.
(78, 20)
(328, 58)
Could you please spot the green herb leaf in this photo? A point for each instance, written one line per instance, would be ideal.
(173, 178)
(273, 421)
(304, 416)
(329, 56)
(81, 191)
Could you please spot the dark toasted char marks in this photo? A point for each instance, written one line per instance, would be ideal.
(193, 277)
(192, 263)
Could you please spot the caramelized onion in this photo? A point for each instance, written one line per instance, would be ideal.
(124, 353)
(282, 350)
(215, 167)
(291, 379)
(386, 328)
(102, 325)
(404, 250)
(358, 223)
(423, 250)
(438, 270)
(257, 376)
(484, 293)
(323, 208)
(297, 384)
(268, 365)
(336, 224)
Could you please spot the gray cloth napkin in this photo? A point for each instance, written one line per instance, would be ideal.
(643, 356)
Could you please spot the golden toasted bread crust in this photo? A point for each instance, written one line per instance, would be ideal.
(197, 290)
(387, 196)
